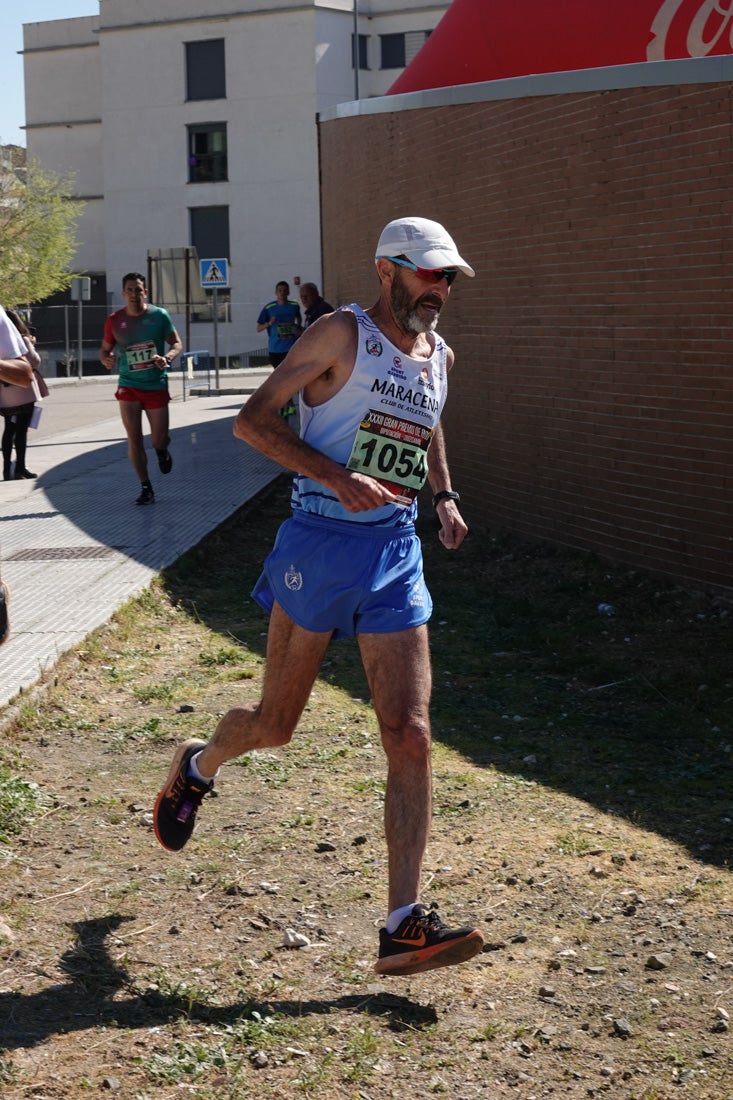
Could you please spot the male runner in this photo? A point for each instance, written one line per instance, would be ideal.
(372, 387)
(140, 332)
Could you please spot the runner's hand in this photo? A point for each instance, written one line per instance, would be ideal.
(453, 530)
(359, 493)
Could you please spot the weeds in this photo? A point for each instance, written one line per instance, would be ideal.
(582, 820)
(19, 800)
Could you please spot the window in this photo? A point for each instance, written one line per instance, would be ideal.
(414, 42)
(363, 57)
(210, 231)
(398, 50)
(210, 238)
(207, 152)
(393, 51)
(205, 70)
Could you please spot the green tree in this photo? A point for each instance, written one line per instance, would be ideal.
(37, 234)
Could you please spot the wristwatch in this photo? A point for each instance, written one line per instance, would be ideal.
(446, 494)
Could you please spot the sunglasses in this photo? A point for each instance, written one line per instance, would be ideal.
(427, 274)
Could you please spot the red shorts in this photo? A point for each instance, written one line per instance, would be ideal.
(149, 399)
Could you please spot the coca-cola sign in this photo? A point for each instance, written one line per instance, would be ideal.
(691, 28)
(479, 40)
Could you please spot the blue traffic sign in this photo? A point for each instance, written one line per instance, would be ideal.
(214, 273)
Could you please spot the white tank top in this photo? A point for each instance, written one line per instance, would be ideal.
(379, 423)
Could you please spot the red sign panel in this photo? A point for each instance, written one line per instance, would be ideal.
(480, 40)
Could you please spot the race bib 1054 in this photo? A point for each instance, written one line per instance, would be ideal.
(393, 451)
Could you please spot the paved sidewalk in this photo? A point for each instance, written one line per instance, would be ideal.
(73, 544)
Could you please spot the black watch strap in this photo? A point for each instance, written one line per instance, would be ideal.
(446, 494)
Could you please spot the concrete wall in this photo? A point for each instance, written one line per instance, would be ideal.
(592, 399)
(63, 118)
(271, 192)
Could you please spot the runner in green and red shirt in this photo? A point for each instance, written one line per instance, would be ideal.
(140, 333)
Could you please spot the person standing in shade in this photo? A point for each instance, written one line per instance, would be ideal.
(140, 334)
(282, 322)
(18, 403)
(15, 370)
(314, 306)
(349, 562)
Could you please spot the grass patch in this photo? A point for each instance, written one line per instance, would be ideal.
(581, 770)
(19, 801)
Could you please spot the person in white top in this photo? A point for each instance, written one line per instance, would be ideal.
(14, 365)
(15, 370)
(16, 406)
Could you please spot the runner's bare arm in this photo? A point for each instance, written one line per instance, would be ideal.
(107, 355)
(319, 363)
(453, 529)
(175, 347)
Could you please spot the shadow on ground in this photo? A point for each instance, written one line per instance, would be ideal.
(96, 490)
(632, 713)
(91, 998)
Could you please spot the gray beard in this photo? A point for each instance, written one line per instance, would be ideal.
(405, 314)
(415, 324)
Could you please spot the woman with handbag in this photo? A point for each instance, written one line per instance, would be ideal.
(16, 406)
(15, 369)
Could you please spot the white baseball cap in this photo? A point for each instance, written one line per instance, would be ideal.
(424, 243)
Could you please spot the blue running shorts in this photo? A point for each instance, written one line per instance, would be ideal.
(331, 575)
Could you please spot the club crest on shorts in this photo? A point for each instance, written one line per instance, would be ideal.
(293, 579)
(373, 346)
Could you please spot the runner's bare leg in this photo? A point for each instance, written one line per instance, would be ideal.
(294, 657)
(398, 670)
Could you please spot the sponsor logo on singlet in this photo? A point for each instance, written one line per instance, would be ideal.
(424, 379)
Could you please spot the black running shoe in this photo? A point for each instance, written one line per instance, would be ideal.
(174, 813)
(165, 461)
(4, 615)
(147, 496)
(422, 942)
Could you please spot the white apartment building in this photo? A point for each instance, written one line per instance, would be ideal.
(194, 123)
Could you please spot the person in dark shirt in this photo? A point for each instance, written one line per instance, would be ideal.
(281, 320)
(313, 304)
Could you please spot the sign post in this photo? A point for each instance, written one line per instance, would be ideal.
(81, 291)
(215, 276)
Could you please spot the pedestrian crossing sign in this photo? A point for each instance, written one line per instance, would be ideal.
(214, 273)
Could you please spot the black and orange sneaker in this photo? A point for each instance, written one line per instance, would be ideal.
(422, 942)
(174, 813)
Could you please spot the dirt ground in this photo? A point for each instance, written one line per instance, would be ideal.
(125, 969)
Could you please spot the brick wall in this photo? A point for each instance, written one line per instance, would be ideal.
(592, 399)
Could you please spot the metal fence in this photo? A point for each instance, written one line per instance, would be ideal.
(63, 340)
